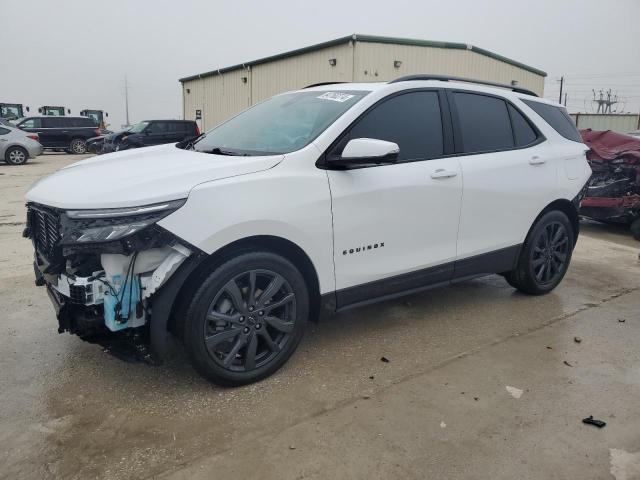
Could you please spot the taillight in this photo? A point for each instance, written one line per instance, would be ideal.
(34, 137)
(97, 132)
(197, 131)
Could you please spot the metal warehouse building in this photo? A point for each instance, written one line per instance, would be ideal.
(221, 93)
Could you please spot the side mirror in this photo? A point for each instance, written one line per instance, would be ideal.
(367, 151)
(106, 114)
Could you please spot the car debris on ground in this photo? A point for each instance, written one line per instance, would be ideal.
(514, 392)
(592, 421)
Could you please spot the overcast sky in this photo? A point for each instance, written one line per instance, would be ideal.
(76, 52)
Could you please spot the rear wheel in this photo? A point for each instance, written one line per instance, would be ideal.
(16, 156)
(246, 319)
(78, 146)
(545, 255)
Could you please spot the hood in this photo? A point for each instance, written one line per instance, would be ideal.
(113, 135)
(606, 146)
(139, 177)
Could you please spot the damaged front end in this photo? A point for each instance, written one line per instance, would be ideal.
(106, 272)
(613, 191)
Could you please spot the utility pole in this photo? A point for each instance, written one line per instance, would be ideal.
(605, 104)
(561, 85)
(565, 99)
(126, 99)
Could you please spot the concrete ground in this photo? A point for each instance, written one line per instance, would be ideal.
(482, 382)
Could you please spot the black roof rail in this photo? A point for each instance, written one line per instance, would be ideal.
(322, 84)
(446, 78)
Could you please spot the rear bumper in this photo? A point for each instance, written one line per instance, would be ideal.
(613, 209)
(34, 151)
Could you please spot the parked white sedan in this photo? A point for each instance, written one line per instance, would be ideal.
(16, 146)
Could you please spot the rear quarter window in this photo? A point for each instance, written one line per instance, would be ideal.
(84, 122)
(557, 118)
(4, 131)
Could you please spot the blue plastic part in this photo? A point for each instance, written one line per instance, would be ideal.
(130, 295)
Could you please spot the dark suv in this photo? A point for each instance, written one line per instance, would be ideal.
(61, 133)
(151, 132)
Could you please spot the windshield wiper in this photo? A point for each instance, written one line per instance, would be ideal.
(219, 151)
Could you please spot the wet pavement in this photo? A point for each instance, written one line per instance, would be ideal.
(438, 409)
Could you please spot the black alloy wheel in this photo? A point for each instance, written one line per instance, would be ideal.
(246, 318)
(545, 255)
(250, 320)
(550, 253)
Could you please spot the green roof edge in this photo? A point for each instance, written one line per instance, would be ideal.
(367, 39)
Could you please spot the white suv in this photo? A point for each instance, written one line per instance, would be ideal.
(332, 196)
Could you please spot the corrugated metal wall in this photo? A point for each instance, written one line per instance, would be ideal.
(621, 123)
(297, 72)
(374, 62)
(220, 96)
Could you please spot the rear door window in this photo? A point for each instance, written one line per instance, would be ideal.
(558, 118)
(157, 127)
(178, 127)
(523, 132)
(54, 122)
(484, 123)
(412, 120)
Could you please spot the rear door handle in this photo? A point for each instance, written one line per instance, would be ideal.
(442, 173)
(536, 160)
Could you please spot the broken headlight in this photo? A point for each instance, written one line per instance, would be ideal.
(109, 224)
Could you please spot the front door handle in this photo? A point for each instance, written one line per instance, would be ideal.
(536, 160)
(442, 173)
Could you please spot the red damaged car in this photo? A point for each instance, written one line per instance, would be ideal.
(613, 192)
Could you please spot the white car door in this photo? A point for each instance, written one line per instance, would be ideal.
(395, 226)
(509, 177)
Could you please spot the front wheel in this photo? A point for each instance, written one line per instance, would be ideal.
(246, 319)
(16, 156)
(545, 255)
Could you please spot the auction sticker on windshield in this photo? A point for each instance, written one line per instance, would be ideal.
(335, 96)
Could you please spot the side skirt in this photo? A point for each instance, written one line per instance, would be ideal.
(498, 261)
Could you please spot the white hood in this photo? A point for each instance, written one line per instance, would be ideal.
(139, 177)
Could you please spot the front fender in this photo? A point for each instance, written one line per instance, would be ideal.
(162, 305)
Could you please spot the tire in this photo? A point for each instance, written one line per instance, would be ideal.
(16, 156)
(78, 146)
(223, 327)
(635, 228)
(545, 255)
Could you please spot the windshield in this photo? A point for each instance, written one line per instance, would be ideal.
(282, 124)
(10, 111)
(138, 127)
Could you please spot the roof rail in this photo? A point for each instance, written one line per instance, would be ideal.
(321, 84)
(446, 78)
